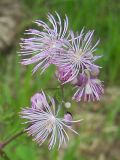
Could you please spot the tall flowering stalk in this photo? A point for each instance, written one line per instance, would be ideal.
(73, 56)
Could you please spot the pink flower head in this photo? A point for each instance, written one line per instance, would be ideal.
(90, 89)
(45, 123)
(79, 55)
(41, 47)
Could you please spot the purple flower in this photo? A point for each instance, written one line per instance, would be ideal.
(90, 89)
(45, 123)
(41, 47)
(79, 55)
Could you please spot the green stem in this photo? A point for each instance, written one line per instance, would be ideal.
(62, 92)
(2, 145)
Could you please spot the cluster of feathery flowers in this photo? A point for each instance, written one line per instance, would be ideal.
(73, 56)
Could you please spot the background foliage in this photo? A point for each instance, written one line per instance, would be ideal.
(100, 131)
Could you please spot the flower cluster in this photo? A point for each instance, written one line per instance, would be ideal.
(73, 56)
(44, 122)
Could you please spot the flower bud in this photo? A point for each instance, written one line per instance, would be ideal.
(67, 104)
(37, 101)
(68, 118)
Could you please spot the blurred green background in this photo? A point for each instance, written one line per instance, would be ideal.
(100, 132)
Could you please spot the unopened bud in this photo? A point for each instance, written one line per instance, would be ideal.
(67, 104)
(68, 118)
(36, 101)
